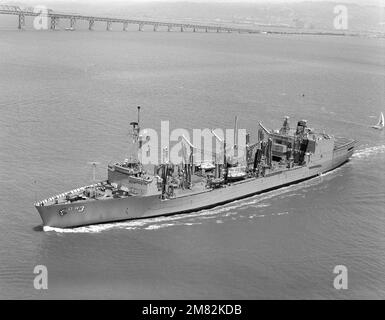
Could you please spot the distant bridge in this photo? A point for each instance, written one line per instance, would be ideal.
(55, 17)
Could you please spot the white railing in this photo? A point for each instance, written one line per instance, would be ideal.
(64, 194)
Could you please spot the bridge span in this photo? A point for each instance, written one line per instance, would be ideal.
(56, 17)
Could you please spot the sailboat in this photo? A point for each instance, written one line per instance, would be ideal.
(380, 124)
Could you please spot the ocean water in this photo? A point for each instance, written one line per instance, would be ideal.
(66, 98)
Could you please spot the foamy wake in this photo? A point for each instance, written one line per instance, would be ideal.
(370, 151)
(231, 211)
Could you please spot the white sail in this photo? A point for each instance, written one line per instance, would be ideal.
(380, 123)
(381, 120)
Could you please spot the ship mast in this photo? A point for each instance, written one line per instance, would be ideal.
(190, 167)
(136, 139)
(138, 115)
(94, 164)
(236, 133)
(223, 142)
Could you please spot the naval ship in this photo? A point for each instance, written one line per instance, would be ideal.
(278, 158)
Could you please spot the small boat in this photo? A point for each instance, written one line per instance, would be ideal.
(380, 124)
(206, 166)
(236, 173)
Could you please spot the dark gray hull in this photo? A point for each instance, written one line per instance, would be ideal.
(133, 207)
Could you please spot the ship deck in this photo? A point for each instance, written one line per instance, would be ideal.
(341, 142)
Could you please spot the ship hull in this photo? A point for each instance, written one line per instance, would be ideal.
(133, 207)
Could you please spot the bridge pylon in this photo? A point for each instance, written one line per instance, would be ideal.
(140, 27)
(21, 21)
(91, 24)
(108, 26)
(54, 23)
(72, 23)
(125, 25)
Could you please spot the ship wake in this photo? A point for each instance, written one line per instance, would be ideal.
(368, 152)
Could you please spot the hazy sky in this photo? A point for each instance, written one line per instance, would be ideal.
(378, 2)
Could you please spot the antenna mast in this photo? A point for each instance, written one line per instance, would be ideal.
(94, 164)
(138, 116)
(236, 133)
(135, 133)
